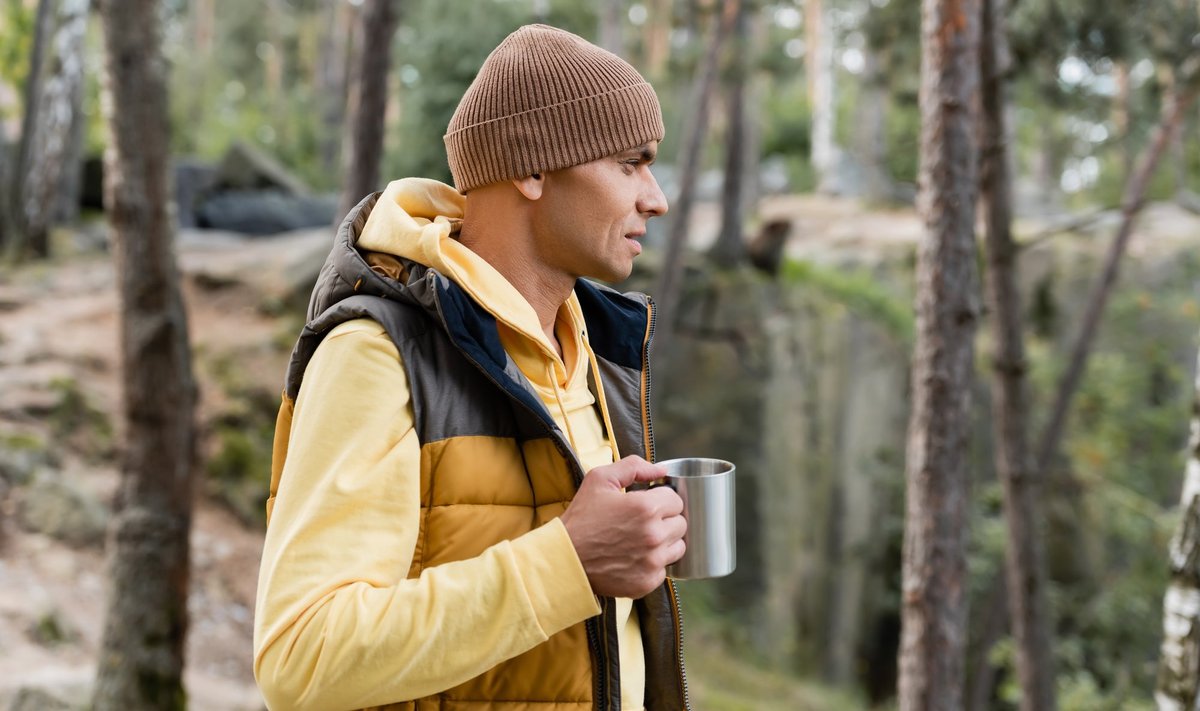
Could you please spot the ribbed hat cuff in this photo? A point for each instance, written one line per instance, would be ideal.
(554, 137)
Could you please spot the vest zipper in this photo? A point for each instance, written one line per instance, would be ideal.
(683, 685)
(646, 422)
(675, 609)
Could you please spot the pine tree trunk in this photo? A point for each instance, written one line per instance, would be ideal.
(819, 52)
(730, 248)
(332, 81)
(15, 228)
(934, 602)
(656, 36)
(52, 135)
(141, 656)
(1024, 559)
(1179, 661)
(691, 153)
(1174, 107)
(379, 20)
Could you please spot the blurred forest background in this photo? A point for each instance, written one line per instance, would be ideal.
(797, 314)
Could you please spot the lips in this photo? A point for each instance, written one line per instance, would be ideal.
(633, 238)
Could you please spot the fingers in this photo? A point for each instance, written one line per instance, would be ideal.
(629, 470)
(662, 501)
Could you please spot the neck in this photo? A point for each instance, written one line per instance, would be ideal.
(503, 240)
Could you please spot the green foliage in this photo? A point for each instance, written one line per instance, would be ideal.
(859, 291)
(16, 39)
(439, 49)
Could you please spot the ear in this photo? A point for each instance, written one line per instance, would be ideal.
(530, 186)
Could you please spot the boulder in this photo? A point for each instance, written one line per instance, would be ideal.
(61, 509)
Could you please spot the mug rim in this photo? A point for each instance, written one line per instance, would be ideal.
(729, 467)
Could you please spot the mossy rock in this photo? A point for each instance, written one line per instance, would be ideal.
(58, 508)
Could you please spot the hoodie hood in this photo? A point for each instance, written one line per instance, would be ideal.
(402, 245)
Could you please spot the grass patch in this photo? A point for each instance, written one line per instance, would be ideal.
(859, 291)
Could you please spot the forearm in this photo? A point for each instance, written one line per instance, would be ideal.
(364, 645)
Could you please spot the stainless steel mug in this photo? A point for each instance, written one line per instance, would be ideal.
(706, 487)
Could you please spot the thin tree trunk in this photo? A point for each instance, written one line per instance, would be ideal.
(50, 140)
(730, 248)
(657, 37)
(1024, 559)
(872, 129)
(667, 292)
(1174, 107)
(15, 227)
(1179, 660)
(142, 652)
(934, 602)
(379, 20)
(612, 16)
(1122, 101)
(70, 182)
(332, 81)
(819, 44)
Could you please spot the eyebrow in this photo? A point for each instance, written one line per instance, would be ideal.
(646, 153)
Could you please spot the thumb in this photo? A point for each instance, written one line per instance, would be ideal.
(633, 469)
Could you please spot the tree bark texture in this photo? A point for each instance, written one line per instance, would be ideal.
(934, 600)
(1174, 107)
(141, 657)
(1024, 558)
(52, 137)
(1179, 657)
(691, 153)
(379, 20)
(730, 248)
(14, 217)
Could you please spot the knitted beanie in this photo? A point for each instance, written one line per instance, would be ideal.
(547, 99)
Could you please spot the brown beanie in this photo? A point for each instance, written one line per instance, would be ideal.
(546, 99)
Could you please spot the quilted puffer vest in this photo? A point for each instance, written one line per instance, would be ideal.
(494, 465)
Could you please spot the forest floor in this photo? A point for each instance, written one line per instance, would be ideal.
(59, 421)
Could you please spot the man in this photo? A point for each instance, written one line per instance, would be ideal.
(433, 540)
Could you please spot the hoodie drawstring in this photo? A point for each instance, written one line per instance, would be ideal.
(608, 427)
(562, 410)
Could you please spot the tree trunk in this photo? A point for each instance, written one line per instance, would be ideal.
(872, 129)
(657, 37)
(51, 137)
(612, 16)
(1024, 559)
(819, 51)
(332, 81)
(1174, 107)
(141, 656)
(730, 248)
(23, 159)
(379, 20)
(667, 291)
(1179, 661)
(934, 603)
(70, 181)
(1122, 102)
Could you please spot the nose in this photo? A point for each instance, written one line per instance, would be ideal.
(652, 202)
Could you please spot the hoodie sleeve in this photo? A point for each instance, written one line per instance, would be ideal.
(337, 623)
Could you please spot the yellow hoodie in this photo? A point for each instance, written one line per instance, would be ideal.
(337, 624)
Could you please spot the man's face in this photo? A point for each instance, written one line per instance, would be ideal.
(590, 217)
